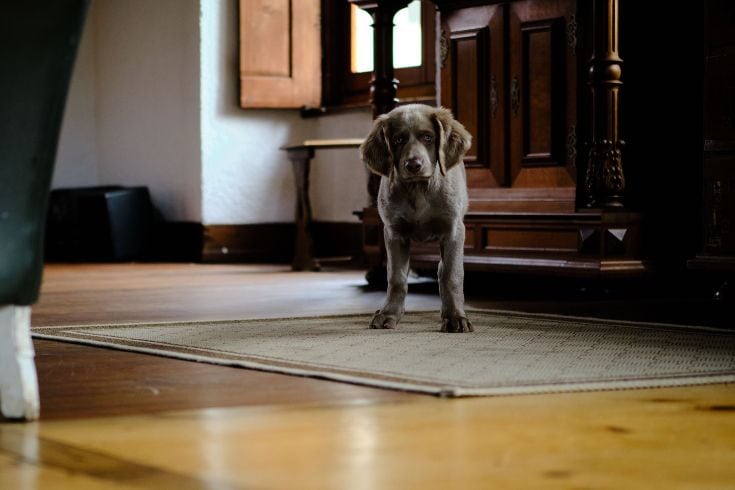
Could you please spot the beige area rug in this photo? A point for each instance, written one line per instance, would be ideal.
(509, 353)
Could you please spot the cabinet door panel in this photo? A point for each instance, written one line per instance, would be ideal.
(467, 100)
(472, 86)
(542, 96)
(541, 93)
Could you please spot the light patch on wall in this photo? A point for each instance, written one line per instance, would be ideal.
(246, 178)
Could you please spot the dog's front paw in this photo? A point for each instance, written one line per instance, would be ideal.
(457, 324)
(384, 320)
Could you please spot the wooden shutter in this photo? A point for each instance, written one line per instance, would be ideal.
(280, 54)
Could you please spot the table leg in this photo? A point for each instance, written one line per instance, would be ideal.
(18, 383)
(303, 248)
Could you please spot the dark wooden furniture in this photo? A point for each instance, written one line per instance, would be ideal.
(300, 157)
(584, 164)
(532, 86)
(717, 248)
(536, 82)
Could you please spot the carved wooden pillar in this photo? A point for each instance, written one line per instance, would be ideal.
(605, 183)
(383, 85)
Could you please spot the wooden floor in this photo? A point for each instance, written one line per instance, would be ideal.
(114, 419)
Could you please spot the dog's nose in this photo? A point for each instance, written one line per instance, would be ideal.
(413, 165)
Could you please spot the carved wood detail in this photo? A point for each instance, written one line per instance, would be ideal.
(509, 72)
(605, 182)
(383, 85)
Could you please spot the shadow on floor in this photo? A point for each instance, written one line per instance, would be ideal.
(684, 299)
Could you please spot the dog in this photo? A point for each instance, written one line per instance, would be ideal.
(417, 150)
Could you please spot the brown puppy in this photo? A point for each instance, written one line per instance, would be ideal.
(418, 150)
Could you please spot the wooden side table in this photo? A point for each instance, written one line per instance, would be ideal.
(300, 157)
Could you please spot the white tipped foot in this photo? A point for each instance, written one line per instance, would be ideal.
(18, 383)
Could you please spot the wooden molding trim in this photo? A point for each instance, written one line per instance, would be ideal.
(274, 242)
(583, 244)
(162, 241)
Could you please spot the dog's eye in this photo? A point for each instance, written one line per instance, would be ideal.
(398, 140)
(428, 138)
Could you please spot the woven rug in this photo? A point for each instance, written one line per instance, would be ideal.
(509, 353)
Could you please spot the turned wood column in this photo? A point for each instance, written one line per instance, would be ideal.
(383, 85)
(383, 88)
(604, 185)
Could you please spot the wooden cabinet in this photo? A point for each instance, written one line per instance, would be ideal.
(717, 248)
(515, 74)
(472, 57)
(542, 94)
(543, 88)
(584, 164)
(509, 75)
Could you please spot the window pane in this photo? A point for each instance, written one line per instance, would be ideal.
(406, 38)
(362, 40)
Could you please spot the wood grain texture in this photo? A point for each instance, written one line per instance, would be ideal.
(280, 54)
(545, 75)
(624, 439)
(191, 425)
(79, 381)
(274, 242)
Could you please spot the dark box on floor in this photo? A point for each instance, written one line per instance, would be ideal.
(111, 223)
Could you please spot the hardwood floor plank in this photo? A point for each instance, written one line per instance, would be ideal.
(661, 438)
(120, 293)
(83, 381)
(185, 424)
(97, 467)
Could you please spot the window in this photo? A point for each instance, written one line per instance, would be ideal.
(406, 38)
(288, 73)
(347, 37)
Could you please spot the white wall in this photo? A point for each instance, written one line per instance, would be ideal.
(148, 100)
(339, 179)
(245, 177)
(76, 156)
(154, 101)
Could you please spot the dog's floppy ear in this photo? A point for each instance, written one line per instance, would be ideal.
(454, 139)
(375, 151)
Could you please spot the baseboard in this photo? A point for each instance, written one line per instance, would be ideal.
(274, 242)
(265, 242)
(337, 239)
(159, 241)
(176, 241)
(180, 241)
